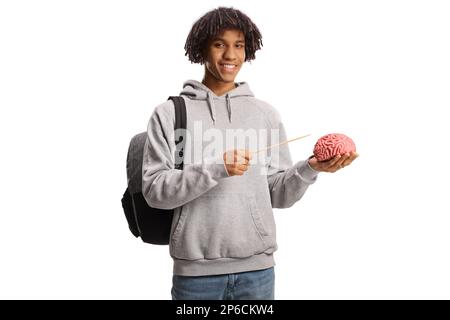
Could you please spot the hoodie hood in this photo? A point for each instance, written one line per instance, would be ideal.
(196, 90)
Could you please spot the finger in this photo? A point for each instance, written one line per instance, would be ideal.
(332, 161)
(325, 165)
(353, 156)
(348, 160)
(230, 157)
(241, 167)
(343, 159)
(235, 172)
(338, 164)
(238, 172)
(242, 160)
(247, 154)
(235, 156)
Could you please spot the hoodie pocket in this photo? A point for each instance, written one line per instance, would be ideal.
(219, 226)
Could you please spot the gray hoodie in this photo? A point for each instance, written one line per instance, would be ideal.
(222, 224)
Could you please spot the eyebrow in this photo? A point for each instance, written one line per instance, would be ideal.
(222, 39)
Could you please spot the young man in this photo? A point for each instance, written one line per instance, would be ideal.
(223, 233)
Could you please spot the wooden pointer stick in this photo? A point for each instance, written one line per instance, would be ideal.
(279, 144)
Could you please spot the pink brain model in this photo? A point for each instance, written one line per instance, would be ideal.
(331, 145)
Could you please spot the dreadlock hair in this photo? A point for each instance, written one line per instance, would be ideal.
(210, 25)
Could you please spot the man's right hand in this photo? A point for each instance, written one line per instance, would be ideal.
(237, 161)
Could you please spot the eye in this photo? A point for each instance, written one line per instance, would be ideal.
(239, 45)
(218, 45)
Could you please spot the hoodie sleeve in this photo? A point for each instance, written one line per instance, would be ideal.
(163, 186)
(287, 182)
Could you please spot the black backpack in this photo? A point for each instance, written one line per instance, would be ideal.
(151, 224)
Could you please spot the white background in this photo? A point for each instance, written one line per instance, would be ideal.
(79, 78)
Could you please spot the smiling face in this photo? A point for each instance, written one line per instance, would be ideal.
(225, 55)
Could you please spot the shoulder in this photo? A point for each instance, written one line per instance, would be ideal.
(163, 115)
(165, 111)
(267, 110)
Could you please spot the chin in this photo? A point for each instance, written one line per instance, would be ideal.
(228, 78)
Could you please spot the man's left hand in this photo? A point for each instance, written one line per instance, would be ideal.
(334, 164)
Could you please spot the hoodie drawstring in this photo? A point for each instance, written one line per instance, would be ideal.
(229, 107)
(212, 108)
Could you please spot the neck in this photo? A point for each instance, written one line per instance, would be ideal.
(218, 87)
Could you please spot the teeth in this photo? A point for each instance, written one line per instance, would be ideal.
(229, 66)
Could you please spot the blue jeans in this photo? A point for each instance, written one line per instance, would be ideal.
(252, 285)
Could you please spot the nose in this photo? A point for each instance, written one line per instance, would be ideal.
(229, 54)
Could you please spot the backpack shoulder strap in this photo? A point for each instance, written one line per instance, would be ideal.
(180, 135)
